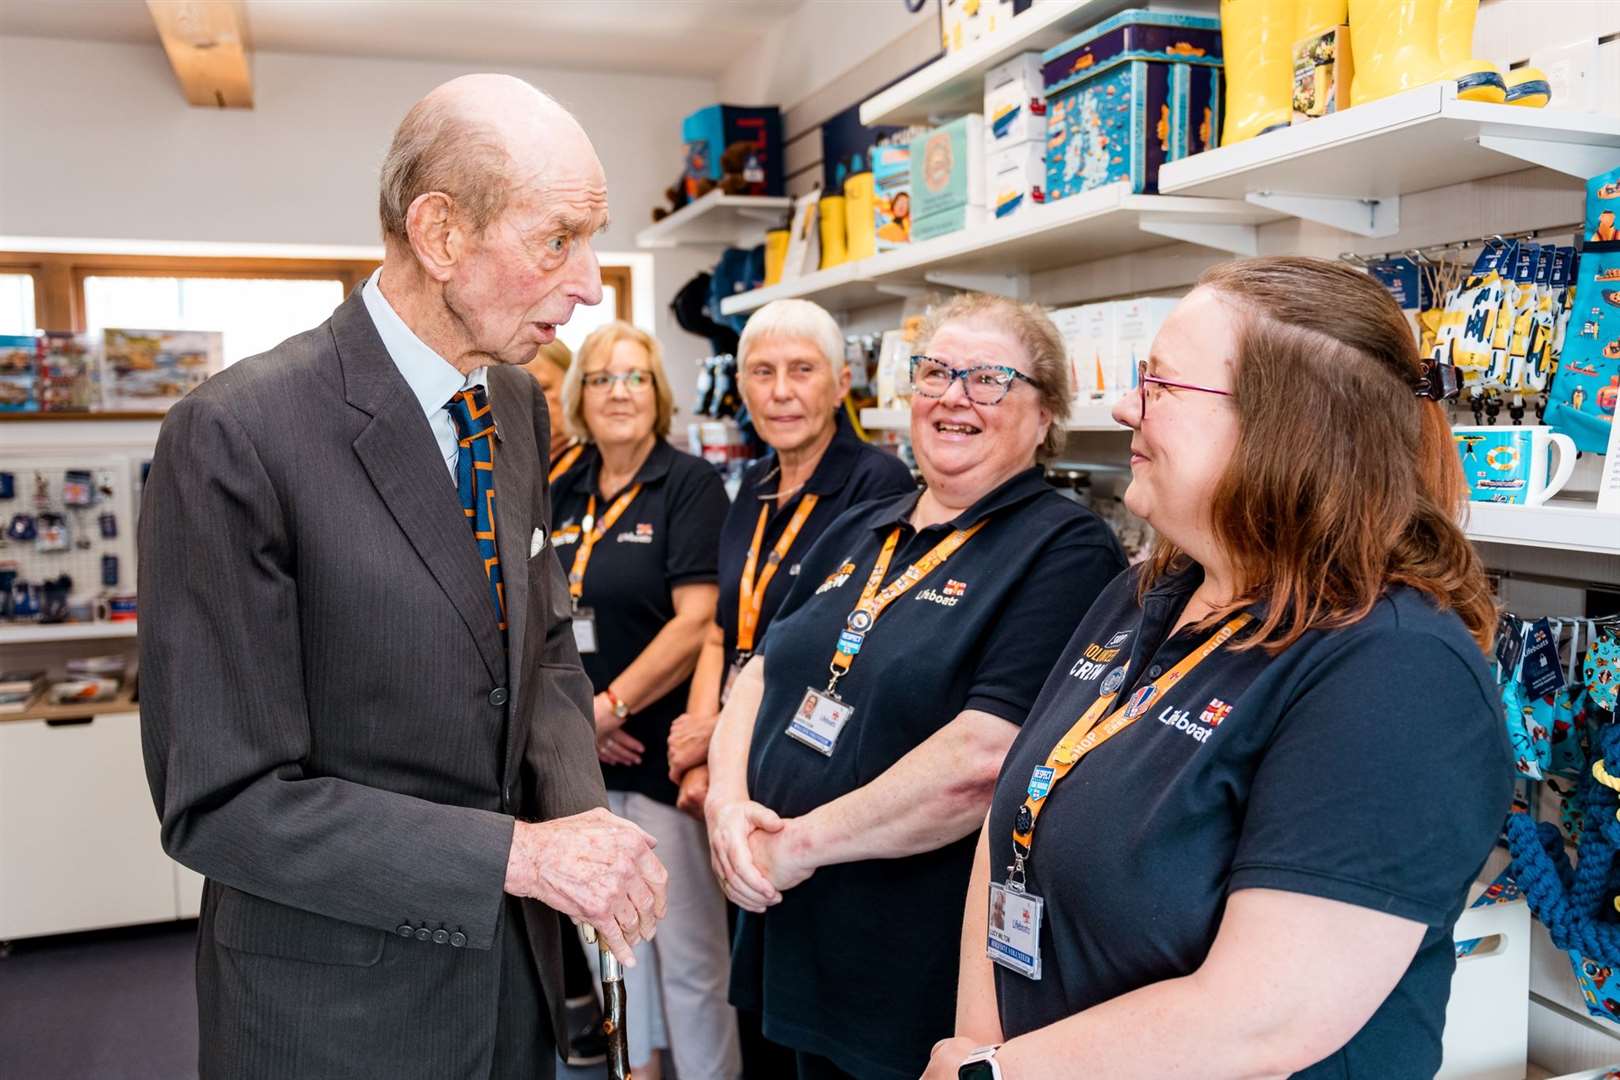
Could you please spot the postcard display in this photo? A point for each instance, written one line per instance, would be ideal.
(72, 515)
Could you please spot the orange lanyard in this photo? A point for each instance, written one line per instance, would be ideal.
(751, 596)
(873, 602)
(1087, 734)
(564, 461)
(589, 535)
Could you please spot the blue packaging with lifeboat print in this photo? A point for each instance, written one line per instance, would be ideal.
(1586, 388)
(1128, 95)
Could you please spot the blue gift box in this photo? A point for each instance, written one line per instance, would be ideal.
(710, 130)
(18, 390)
(1128, 95)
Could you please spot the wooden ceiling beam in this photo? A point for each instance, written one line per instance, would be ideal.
(207, 43)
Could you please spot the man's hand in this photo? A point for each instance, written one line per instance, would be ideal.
(595, 868)
(782, 856)
(619, 748)
(730, 826)
(694, 791)
(947, 1058)
(689, 742)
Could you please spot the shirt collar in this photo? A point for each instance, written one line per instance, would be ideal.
(1018, 488)
(831, 472)
(654, 469)
(432, 379)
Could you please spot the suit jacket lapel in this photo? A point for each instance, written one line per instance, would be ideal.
(517, 465)
(400, 455)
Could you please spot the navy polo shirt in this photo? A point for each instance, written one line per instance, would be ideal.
(667, 537)
(850, 472)
(859, 963)
(1292, 772)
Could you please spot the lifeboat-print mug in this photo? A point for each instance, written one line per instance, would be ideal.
(1513, 464)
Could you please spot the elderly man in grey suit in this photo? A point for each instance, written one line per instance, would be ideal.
(363, 714)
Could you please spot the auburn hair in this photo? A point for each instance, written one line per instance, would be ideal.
(1344, 482)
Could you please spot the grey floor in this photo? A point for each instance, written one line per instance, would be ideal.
(112, 1005)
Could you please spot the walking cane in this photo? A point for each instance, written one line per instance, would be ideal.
(618, 1039)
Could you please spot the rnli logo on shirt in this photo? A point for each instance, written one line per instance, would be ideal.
(643, 534)
(1214, 713)
(948, 596)
(836, 579)
(1199, 730)
(793, 571)
(1096, 658)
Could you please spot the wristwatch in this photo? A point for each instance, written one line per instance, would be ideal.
(980, 1065)
(620, 709)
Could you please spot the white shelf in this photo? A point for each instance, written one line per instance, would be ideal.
(717, 219)
(999, 255)
(1568, 526)
(1081, 418)
(1350, 169)
(29, 633)
(954, 84)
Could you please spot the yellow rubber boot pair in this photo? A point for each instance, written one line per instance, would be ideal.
(1400, 44)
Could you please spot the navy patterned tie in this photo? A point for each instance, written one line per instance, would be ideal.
(475, 482)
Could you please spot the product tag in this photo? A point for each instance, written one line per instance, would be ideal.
(1541, 672)
(1509, 646)
(1013, 937)
(585, 630)
(820, 718)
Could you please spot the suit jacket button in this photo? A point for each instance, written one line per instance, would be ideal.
(405, 929)
(424, 934)
(457, 940)
(497, 696)
(440, 937)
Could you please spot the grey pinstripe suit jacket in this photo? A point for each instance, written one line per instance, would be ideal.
(333, 731)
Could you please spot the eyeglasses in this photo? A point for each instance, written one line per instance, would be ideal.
(986, 384)
(635, 379)
(1145, 382)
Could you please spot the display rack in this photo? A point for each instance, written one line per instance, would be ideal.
(1560, 524)
(1350, 169)
(1096, 418)
(123, 701)
(954, 84)
(717, 220)
(1001, 255)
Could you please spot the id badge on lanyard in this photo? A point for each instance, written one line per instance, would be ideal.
(820, 719)
(585, 630)
(1014, 926)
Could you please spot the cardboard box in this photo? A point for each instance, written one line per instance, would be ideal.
(944, 222)
(948, 170)
(18, 389)
(1132, 35)
(1017, 179)
(1137, 322)
(1015, 102)
(1322, 71)
(891, 176)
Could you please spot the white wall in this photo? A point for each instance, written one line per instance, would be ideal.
(820, 41)
(95, 141)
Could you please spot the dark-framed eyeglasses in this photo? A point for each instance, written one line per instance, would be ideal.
(985, 384)
(634, 379)
(1144, 382)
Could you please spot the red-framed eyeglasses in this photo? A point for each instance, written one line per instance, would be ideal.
(1144, 380)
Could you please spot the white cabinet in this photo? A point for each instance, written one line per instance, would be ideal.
(79, 842)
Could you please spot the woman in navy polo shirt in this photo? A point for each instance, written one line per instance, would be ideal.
(854, 759)
(791, 370)
(1204, 856)
(636, 525)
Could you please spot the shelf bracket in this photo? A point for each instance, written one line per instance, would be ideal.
(1364, 217)
(1222, 236)
(1581, 160)
(1013, 285)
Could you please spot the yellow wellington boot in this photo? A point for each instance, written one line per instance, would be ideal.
(1257, 38)
(1313, 16)
(1395, 46)
(1529, 87)
(1477, 80)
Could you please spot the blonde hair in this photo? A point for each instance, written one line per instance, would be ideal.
(598, 348)
(555, 353)
(1029, 326)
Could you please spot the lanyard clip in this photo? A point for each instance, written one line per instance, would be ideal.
(1015, 873)
(832, 683)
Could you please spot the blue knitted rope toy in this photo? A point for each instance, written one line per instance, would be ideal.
(1576, 903)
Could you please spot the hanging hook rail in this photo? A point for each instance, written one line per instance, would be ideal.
(1431, 251)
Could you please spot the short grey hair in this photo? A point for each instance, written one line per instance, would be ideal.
(438, 148)
(798, 320)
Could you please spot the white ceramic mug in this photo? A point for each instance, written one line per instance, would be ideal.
(1512, 464)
